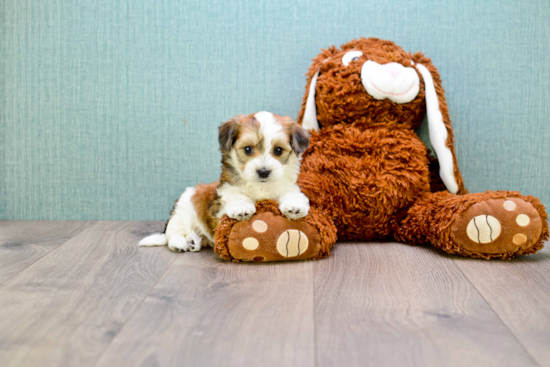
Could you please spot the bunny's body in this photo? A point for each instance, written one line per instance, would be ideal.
(364, 187)
(371, 177)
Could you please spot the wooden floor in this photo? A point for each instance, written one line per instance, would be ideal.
(84, 294)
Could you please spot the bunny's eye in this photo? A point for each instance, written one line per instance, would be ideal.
(350, 57)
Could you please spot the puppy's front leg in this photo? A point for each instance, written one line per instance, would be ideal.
(294, 204)
(235, 204)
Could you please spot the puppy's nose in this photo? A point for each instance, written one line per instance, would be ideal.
(263, 173)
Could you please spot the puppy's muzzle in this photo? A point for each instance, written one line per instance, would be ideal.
(263, 173)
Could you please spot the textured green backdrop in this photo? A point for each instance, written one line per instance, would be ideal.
(110, 108)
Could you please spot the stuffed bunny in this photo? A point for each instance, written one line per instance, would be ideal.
(368, 175)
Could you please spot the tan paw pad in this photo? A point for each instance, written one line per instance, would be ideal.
(522, 220)
(250, 243)
(483, 229)
(509, 205)
(519, 239)
(292, 243)
(498, 226)
(259, 226)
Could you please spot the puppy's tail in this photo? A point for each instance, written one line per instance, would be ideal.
(156, 239)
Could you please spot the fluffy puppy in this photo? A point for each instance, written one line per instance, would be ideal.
(260, 160)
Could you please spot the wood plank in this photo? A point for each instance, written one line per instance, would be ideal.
(389, 304)
(208, 312)
(65, 309)
(22, 243)
(519, 292)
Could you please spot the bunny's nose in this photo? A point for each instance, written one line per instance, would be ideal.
(394, 69)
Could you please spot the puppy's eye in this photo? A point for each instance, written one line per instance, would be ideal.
(278, 151)
(248, 150)
(351, 56)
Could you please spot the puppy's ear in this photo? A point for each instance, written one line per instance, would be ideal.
(299, 141)
(228, 132)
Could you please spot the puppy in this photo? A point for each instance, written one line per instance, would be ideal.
(261, 156)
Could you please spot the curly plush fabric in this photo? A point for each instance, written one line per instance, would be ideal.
(342, 99)
(362, 178)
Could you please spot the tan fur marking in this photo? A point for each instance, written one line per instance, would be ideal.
(206, 204)
(246, 132)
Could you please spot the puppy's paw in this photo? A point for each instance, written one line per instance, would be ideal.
(240, 210)
(194, 242)
(178, 243)
(294, 210)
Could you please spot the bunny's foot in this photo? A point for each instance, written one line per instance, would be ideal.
(270, 236)
(498, 226)
(490, 225)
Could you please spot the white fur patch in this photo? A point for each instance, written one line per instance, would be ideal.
(186, 223)
(178, 243)
(184, 229)
(240, 209)
(156, 239)
(294, 205)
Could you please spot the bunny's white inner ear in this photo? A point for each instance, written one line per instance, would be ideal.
(309, 121)
(438, 132)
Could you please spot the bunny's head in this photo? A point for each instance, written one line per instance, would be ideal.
(372, 82)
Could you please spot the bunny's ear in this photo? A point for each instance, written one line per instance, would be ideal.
(439, 125)
(307, 117)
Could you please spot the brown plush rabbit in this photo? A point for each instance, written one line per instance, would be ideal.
(368, 175)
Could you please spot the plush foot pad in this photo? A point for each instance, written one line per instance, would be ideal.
(270, 236)
(498, 226)
(267, 237)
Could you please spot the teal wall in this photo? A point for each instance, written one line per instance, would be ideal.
(110, 108)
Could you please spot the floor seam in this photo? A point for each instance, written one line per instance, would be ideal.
(315, 360)
(496, 314)
(46, 254)
(133, 313)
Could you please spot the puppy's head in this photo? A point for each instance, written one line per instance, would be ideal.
(262, 148)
